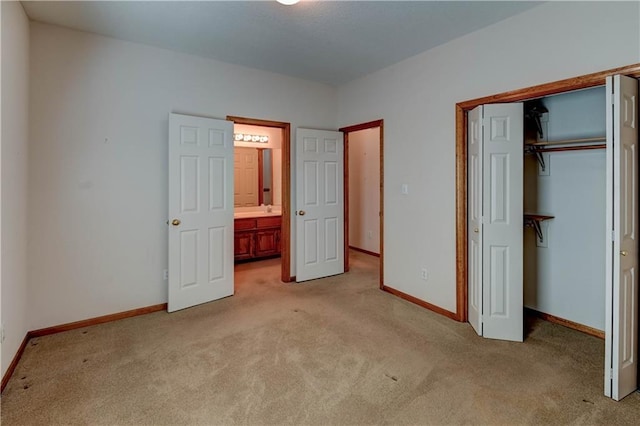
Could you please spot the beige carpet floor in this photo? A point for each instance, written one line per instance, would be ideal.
(331, 351)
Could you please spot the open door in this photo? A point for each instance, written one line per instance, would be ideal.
(319, 204)
(474, 225)
(200, 210)
(621, 327)
(496, 221)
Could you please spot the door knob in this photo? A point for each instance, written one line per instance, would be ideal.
(175, 222)
(476, 230)
(623, 252)
(301, 212)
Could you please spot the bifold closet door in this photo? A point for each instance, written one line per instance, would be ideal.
(496, 220)
(621, 328)
(474, 225)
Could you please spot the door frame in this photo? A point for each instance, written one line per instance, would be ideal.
(285, 228)
(346, 130)
(553, 88)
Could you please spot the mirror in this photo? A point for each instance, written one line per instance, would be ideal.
(257, 176)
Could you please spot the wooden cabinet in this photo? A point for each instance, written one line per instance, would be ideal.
(257, 237)
(243, 245)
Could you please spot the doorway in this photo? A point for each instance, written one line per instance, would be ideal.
(278, 189)
(363, 136)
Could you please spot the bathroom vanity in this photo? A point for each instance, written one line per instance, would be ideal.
(256, 235)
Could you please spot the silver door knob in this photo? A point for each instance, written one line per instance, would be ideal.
(301, 212)
(623, 252)
(476, 230)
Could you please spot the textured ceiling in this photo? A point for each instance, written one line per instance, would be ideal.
(331, 42)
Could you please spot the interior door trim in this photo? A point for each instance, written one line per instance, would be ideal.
(350, 129)
(561, 86)
(285, 230)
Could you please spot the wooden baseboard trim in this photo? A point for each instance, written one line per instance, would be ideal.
(14, 363)
(420, 302)
(98, 320)
(566, 323)
(370, 253)
(71, 326)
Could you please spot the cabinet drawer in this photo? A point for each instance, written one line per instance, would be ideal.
(239, 224)
(269, 222)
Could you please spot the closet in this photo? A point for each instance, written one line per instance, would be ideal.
(552, 218)
(564, 207)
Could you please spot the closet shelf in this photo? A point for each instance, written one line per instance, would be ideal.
(533, 220)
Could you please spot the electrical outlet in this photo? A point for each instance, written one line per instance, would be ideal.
(165, 274)
(423, 274)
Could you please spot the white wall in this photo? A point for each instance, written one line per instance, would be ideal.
(15, 134)
(98, 161)
(567, 278)
(364, 189)
(416, 99)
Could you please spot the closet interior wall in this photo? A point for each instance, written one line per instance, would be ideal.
(564, 276)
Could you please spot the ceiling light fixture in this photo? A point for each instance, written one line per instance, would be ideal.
(288, 2)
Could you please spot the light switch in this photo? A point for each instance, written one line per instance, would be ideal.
(404, 190)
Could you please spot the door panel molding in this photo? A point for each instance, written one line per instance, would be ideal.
(621, 294)
(200, 210)
(319, 201)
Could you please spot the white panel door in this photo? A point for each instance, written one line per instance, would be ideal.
(502, 221)
(245, 167)
(621, 328)
(474, 214)
(200, 210)
(319, 204)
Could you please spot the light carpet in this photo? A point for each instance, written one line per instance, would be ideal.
(330, 351)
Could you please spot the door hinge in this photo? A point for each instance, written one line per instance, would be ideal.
(613, 236)
(611, 374)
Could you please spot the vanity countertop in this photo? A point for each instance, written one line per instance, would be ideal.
(244, 215)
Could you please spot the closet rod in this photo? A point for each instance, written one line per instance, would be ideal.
(570, 141)
(571, 148)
